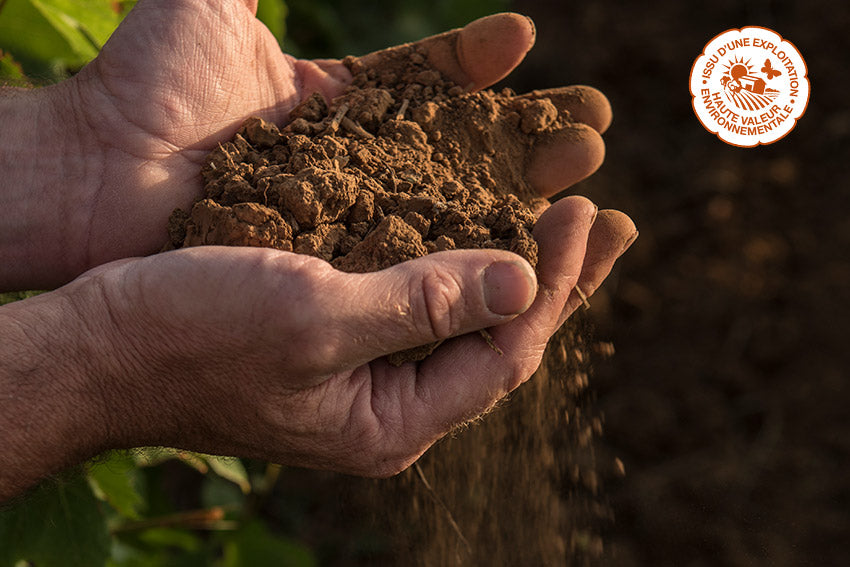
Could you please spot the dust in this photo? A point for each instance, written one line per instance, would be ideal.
(524, 485)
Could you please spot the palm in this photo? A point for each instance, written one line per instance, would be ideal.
(198, 69)
(174, 80)
(179, 76)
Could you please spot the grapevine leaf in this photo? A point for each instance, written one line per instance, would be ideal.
(114, 480)
(64, 25)
(152, 456)
(168, 537)
(29, 37)
(49, 37)
(230, 468)
(11, 73)
(94, 19)
(11, 296)
(273, 14)
(59, 523)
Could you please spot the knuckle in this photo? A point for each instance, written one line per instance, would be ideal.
(439, 304)
(301, 292)
(392, 468)
(521, 371)
(384, 452)
(293, 307)
(390, 465)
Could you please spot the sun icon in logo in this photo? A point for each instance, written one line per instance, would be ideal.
(735, 69)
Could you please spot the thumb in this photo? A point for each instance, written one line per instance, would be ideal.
(426, 300)
(475, 56)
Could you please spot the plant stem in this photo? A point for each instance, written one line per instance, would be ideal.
(208, 519)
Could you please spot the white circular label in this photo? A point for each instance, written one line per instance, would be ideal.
(749, 86)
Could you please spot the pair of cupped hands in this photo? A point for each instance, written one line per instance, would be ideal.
(257, 352)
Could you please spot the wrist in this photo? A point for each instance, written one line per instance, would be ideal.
(44, 168)
(52, 408)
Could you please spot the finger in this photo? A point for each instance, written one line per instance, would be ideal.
(612, 234)
(324, 76)
(475, 56)
(465, 376)
(422, 301)
(585, 105)
(335, 69)
(563, 158)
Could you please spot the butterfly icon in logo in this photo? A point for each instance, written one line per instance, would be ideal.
(769, 70)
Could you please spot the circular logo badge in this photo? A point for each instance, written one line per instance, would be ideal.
(749, 86)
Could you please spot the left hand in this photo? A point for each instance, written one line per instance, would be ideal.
(179, 76)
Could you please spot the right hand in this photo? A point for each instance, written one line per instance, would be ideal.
(268, 354)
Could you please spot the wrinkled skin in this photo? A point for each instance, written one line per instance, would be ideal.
(255, 352)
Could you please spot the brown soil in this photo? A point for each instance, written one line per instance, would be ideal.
(403, 164)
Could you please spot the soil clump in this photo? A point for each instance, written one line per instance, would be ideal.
(403, 164)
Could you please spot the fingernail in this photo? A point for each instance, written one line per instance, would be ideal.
(509, 287)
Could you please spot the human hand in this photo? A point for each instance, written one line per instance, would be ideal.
(169, 357)
(176, 78)
(261, 353)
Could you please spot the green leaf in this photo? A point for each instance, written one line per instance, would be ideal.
(218, 492)
(114, 480)
(11, 296)
(168, 537)
(60, 524)
(11, 73)
(50, 37)
(273, 14)
(253, 545)
(123, 6)
(152, 456)
(31, 39)
(78, 42)
(230, 468)
(94, 19)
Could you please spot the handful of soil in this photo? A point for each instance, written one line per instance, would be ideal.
(404, 163)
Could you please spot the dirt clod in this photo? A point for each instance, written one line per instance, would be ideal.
(404, 163)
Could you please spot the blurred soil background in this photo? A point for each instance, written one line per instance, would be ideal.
(727, 397)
